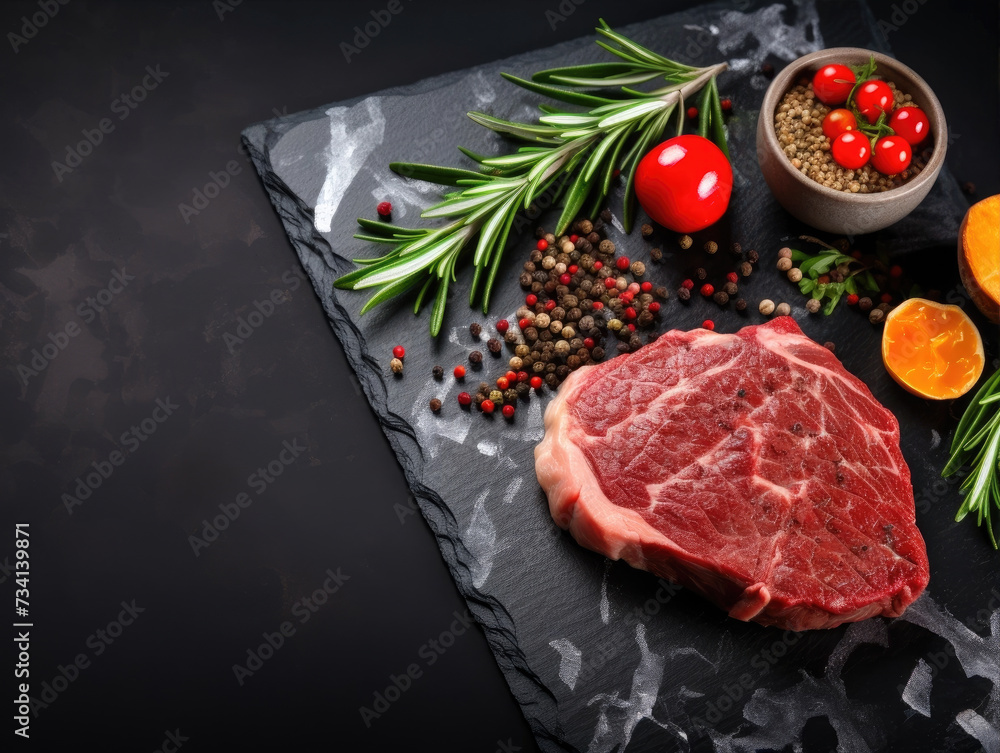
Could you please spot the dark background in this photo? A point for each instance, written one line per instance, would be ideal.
(342, 503)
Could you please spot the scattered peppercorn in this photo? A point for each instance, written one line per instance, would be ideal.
(741, 305)
(685, 241)
(475, 329)
(487, 406)
(707, 289)
(726, 105)
(785, 253)
(437, 372)
(746, 269)
(508, 411)
(830, 346)
(721, 298)
(752, 256)
(684, 294)
(692, 112)
(766, 307)
(476, 357)
(494, 346)
(396, 365)
(384, 209)
(399, 351)
(708, 324)
(813, 305)
(655, 255)
(637, 268)
(464, 398)
(459, 372)
(701, 273)
(865, 304)
(736, 249)
(731, 289)
(784, 264)
(435, 404)
(782, 309)
(794, 274)
(711, 247)
(647, 230)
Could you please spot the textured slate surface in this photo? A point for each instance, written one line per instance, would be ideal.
(602, 657)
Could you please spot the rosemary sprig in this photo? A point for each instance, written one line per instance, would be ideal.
(569, 156)
(977, 445)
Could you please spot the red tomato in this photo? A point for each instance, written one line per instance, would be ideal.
(872, 98)
(838, 121)
(891, 155)
(911, 124)
(851, 150)
(832, 84)
(684, 183)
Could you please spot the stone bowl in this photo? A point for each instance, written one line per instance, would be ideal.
(825, 208)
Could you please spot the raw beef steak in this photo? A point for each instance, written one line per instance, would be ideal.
(751, 468)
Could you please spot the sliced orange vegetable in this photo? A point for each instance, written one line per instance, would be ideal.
(979, 255)
(931, 349)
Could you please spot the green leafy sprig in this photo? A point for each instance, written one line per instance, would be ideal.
(572, 157)
(858, 279)
(977, 445)
(878, 129)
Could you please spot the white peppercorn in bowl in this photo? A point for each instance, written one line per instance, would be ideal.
(828, 209)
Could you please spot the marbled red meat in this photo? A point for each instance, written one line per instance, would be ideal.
(752, 468)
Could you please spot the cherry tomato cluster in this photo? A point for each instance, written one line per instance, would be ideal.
(889, 150)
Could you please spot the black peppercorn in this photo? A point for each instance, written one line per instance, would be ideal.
(721, 297)
(597, 353)
(435, 404)
(647, 230)
(741, 305)
(484, 388)
(700, 273)
(731, 289)
(525, 280)
(655, 254)
(475, 329)
(684, 294)
(510, 395)
(736, 249)
(494, 345)
(606, 215)
(438, 372)
(752, 256)
(623, 348)
(662, 293)
(476, 357)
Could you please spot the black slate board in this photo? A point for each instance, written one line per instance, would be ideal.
(600, 656)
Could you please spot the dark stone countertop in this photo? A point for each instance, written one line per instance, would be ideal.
(250, 496)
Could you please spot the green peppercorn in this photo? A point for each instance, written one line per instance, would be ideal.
(496, 396)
